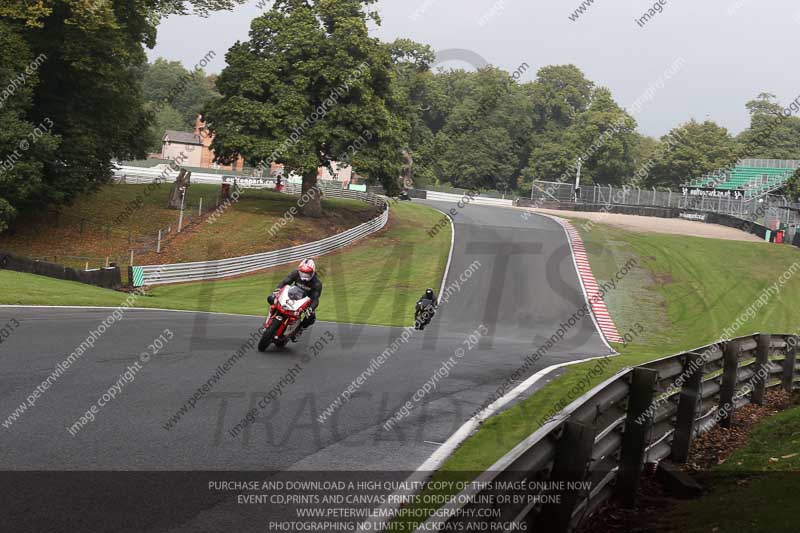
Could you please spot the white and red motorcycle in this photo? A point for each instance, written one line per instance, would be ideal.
(285, 316)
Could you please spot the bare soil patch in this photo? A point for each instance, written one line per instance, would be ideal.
(674, 226)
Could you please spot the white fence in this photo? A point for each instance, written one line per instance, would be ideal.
(147, 175)
(140, 175)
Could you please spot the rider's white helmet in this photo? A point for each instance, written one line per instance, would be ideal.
(307, 269)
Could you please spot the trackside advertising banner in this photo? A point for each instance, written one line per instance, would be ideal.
(736, 194)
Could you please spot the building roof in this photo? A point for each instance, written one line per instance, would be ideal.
(182, 137)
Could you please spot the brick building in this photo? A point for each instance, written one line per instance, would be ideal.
(195, 147)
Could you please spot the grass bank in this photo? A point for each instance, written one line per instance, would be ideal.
(754, 488)
(109, 223)
(375, 281)
(98, 226)
(684, 293)
(246, 227)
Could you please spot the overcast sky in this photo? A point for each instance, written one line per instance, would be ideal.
(727, 51)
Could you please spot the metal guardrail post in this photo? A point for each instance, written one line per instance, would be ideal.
(634, 440)
(789, 363)
(762, 363)
(687, 408)
(730, 375)
(569, 465)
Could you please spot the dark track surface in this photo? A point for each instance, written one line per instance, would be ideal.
(526, 286)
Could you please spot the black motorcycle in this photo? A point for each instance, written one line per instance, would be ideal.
(424, 313)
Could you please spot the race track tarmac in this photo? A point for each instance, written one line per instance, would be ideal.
(516, 285)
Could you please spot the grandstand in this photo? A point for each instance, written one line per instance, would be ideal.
(756, 177)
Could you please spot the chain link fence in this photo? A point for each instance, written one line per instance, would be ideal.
(774, 212)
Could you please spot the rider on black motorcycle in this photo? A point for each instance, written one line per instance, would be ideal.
(305, 277)
(426, 308)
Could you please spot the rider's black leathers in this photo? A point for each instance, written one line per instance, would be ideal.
(427, 307)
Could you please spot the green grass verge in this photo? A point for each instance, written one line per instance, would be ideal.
(29, 289)
(683, 294)
(752, 491)
(375, 281)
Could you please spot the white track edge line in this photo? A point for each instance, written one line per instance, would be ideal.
(438, 457)
(450, 257)
(11, 306)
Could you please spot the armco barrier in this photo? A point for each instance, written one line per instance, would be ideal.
(109, 278)
(604, 438)
(466, 198)
(222, 268)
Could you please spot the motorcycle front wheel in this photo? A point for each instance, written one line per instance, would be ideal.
(268, 335)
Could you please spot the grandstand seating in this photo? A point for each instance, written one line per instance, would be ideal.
(755, 177)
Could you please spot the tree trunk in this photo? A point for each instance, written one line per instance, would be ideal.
(407, 172)
(183, 180)
(311, 198)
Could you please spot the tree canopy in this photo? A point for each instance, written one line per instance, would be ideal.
(308, 84)
(23, 180)
(704, 147)
(76, 65)
(770, 135)
(171, 108)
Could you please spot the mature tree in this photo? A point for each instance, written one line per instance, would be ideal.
(160, 80)
(433, 96)
(415, 88)
(25, 148)
(485, 134)
(482, 160)
(89, 88)
(83, 73)
(166, 118)
(583, 122)
(604, 134)
(202, 8)
(309, 84)
(703, 148)
(558, 96)
(792, 189)
(644, 153)
(551, 159)
(559, 93)
(770, 135)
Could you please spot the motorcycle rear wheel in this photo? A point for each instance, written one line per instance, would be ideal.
(268, 335)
